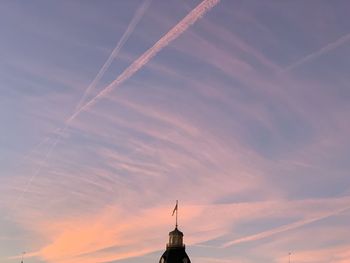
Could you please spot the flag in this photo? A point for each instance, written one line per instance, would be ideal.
(175, 208)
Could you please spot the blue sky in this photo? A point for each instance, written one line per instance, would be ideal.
(238, 109)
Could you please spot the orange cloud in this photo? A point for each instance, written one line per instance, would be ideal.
(116, 233)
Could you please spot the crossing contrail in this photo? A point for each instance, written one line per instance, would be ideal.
(170, 36)
(59, 131)
(140, 62)
(135, 20)
(129, 30)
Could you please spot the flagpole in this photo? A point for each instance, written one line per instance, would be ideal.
(175, 211)
(177, 208)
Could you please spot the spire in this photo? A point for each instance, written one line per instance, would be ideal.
(175, 249)
(175, 236)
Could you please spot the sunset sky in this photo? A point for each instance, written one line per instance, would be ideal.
(112, 110)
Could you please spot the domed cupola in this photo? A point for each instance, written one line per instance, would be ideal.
(175, 238)
(175, 249)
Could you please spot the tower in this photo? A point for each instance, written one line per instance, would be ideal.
(175, 249)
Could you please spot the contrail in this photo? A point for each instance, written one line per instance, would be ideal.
(42, 142)
(174, 33)
(37, 172)
(129, 30)
(340, 41)
(59, 131)
(135, 20)
(170, 36)
(284, 228)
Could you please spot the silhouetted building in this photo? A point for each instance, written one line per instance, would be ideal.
(175, 249)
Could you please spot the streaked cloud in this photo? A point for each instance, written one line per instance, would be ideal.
(259, 160)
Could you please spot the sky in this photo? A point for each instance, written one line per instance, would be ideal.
(112, 110)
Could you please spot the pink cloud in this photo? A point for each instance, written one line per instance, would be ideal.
(134, 233)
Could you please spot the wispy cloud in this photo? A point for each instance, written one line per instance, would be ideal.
(325, 49)
(132, 233)
(174, 33)
(284, 228)
(257, 159)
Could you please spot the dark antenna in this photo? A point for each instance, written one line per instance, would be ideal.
(22, 256)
